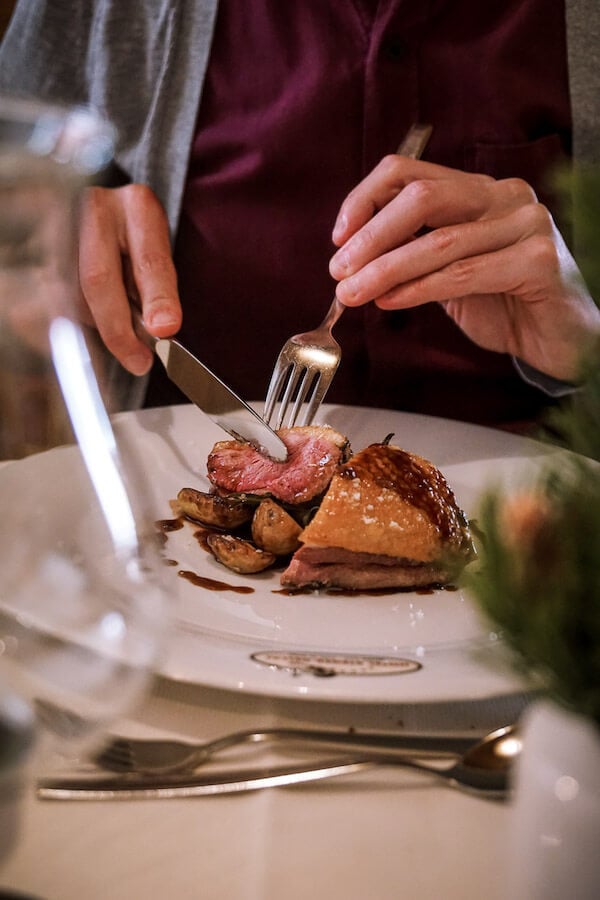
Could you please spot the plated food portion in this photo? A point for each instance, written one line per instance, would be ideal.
(382, 518)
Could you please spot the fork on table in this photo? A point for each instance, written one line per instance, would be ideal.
(124, 755)
(307, 362)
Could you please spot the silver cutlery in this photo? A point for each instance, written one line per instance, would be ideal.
(166, 756)
(210, 394)
(307, 362)
(483, 770)
(303, 372)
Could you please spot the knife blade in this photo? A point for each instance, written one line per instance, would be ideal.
(210, 394)
(137, 787)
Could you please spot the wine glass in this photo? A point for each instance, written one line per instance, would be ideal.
(82, 611)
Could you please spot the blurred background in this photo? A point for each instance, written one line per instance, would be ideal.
(6, 8)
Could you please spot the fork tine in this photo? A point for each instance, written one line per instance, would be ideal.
(303, 372)
(304, 386)
(295, 373)
(118, 754)
(277, 379)
(321, 388)
(305, 391)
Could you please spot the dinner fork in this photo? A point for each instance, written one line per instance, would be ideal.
(168, 756)
(307, 362)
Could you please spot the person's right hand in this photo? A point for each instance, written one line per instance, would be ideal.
(414, 232)
(124, 251)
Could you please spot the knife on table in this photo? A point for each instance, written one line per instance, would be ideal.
(231, 781)
(166, 787)
(210, 394)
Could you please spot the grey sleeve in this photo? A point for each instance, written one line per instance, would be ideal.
(553, 387)
(141, 63)
(44, 51)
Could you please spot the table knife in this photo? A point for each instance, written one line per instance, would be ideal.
(488, 782)
(210, 394)
(153, 787)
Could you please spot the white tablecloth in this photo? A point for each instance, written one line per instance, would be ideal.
(382, 834)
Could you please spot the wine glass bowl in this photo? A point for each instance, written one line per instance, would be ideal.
(82, 611)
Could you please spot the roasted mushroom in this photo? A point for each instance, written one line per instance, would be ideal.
(210, 509)
(239, 555)
(274, 529)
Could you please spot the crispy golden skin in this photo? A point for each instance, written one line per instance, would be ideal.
(389, 502)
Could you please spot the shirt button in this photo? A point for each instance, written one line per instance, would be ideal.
(395, 49)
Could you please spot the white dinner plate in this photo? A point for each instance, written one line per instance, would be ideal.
(405, 647)
(401, 647)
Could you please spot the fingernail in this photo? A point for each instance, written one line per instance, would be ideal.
(161, 318)
(339, 229)
(339, 264)
(347, 289)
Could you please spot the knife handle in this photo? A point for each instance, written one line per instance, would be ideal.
(140, 329)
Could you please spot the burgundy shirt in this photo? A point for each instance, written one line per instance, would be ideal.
(301, 100)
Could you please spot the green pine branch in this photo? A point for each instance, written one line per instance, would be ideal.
(539, 581)
(538, 578)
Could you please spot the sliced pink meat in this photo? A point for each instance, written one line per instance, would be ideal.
(314, 454)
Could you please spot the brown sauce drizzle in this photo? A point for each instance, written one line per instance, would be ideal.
(202, 535)
(168, 525)
(210, 584)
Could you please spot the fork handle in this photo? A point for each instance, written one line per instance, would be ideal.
(415, 141)
(333, 314)
(413, 145)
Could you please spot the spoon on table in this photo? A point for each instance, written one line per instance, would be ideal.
(483, 770)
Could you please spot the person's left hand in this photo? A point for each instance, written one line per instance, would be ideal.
(413, 232)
